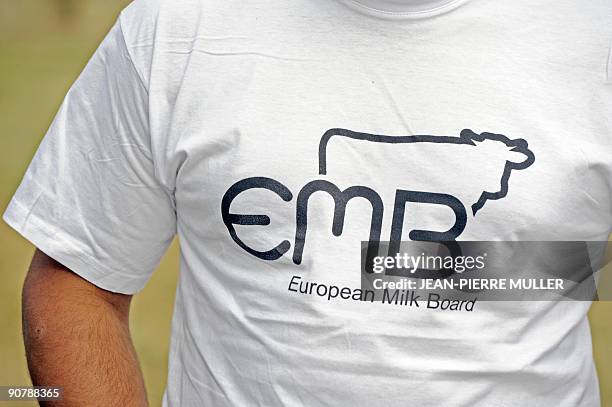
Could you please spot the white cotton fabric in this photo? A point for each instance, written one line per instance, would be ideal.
(185, 98)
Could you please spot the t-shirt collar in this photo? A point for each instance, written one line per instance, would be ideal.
(403, 8)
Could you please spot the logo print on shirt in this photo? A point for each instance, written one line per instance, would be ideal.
(519, 158)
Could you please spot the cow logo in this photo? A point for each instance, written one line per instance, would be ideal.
(382, 151)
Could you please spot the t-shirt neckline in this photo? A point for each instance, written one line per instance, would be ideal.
(398, 9)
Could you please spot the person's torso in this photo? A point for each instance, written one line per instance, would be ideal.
(256, 109)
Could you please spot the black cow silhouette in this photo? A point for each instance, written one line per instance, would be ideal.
(466, 138)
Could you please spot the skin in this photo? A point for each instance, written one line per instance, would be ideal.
(77, 337)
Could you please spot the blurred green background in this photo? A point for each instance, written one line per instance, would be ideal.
(44, 44)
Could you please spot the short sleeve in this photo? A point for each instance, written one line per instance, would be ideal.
(90, 198)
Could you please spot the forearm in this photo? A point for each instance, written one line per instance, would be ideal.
(77, 337)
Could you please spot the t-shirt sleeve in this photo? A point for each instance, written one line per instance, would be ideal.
(91, 198)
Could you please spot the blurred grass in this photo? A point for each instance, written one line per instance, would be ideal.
(43, 46)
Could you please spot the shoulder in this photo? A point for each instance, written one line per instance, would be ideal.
(147, 24)
(146, 21)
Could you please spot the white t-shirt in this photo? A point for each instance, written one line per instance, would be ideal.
(195, 115)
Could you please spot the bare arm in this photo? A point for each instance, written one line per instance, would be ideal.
(77, 337)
